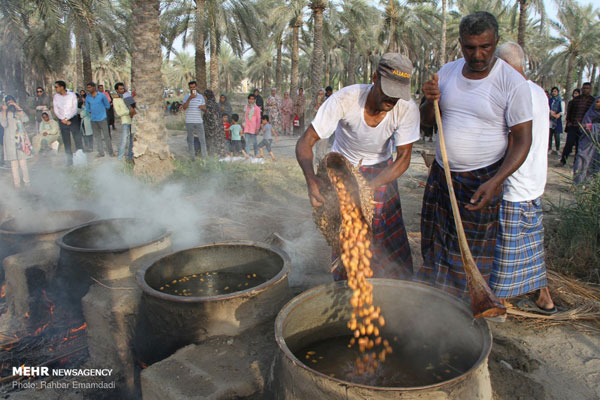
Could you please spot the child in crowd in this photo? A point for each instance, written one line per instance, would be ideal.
(226, 126)
(267, 131)
(236, 139)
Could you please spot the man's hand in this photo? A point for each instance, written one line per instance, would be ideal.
(314, 184)
(483, 195)
(431, 89)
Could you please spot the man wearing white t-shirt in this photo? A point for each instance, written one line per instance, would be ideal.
(519, 266)
(367, 121)
(481, 98)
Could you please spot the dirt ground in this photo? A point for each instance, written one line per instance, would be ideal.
(558, 362)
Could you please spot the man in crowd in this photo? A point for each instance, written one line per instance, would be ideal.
(110, 114)
(194, 104)
(258, 100)
(367, 120)
(65, 109)
(96, 105)
(519, 266)
(299, 106)
(575, 112)
(481, 98)
(42, 104)
(125, 108)
(328, 92)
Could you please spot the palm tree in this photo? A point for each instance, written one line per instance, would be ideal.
(579, 33)
(523, 7)
(231, 68)
(199, 44)
(316, 74)
(153, 159)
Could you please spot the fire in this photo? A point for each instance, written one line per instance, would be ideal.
(3, 291)
(142, 364)
(82, 327)
(27, 315)
(49, 302)
(41, 329)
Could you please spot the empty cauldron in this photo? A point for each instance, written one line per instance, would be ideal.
(105, 250)
(440, 352)
(230, 287)
(19, 234)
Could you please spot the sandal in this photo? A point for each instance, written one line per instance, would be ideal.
(530, 306)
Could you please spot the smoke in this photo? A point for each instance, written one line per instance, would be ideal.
(110, 193)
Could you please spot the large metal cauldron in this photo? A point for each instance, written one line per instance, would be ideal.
(174, 321)
(425, 321)
(105, 250)
(19, 234)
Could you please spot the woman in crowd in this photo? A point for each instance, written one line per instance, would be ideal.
(86, 126)
(273, 110)
(556, 128)
(17, 147)
(587, 160)
(287, 114)
(225, 107)
(213, 126)
(47, 134)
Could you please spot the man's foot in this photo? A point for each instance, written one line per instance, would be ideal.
(555, 152)
(560, 164)
(99, 155)
(529, 305)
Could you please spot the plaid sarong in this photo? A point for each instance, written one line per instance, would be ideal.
(391, 251)
(519, 266)
(442, 263)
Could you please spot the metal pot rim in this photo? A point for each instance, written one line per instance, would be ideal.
(147, 289)
(296, 301)
(60, 242)
(45, 232)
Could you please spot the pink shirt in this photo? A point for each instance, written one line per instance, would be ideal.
(252, 125)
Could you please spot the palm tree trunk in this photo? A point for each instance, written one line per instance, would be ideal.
(580, 69)
(214, 59)
(328, 68)
(593, 77)
(316, 75)
(295, 56)
(278, 66)
(522, 20)
(365, 69)
(569, 82)
(153, 159)
(84, 45)
(443, 39)
(199, 44)
(350, 77)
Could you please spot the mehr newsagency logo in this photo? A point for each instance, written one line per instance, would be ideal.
(42, 372)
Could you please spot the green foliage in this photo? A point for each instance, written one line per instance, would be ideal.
(574, 242)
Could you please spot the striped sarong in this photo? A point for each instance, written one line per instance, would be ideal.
(442, 263)
(391, 251)
(519, 266)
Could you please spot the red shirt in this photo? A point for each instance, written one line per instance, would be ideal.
(226, 126)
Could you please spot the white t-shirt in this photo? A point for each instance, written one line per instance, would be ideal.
(528, 182)
(476, 113)
(343, 113)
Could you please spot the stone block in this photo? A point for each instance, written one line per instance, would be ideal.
(26, 275)
(111, 317)
(217, 369)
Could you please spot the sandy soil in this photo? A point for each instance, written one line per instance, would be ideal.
(526, 363)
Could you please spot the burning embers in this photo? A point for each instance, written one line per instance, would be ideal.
(366, 319)
(54, 339)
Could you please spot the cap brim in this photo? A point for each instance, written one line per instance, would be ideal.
(393, 88)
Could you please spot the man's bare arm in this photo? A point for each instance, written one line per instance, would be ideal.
(519, 143)
(304, 155)
(431, 91)
(396, 169)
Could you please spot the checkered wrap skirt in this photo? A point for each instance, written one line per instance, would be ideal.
(519, 266)
(391, 251)
(442, 263)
